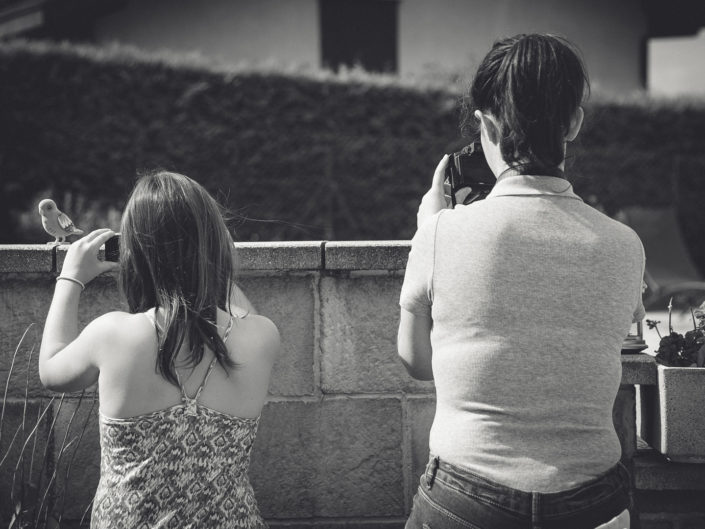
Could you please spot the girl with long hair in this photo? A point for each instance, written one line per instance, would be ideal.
(182, 375)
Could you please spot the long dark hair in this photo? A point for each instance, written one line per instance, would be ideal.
(176, 255)
(532, 85)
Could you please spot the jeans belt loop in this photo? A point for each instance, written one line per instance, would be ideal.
(434, 468)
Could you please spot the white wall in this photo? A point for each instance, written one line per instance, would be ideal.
(284, 31)
(677, 65)
(446, 34)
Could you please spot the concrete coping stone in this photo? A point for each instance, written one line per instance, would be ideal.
(638, 369)
(265, 256)
(366, 255)
(26, 258)
(303, 255)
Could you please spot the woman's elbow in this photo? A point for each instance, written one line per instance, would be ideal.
(418, 372)
(415, 365)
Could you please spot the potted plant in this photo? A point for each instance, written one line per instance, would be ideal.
(672, 418)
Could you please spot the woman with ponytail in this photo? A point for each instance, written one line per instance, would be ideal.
(516, 306)
(183, 374)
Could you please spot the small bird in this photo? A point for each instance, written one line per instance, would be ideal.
(56, 223)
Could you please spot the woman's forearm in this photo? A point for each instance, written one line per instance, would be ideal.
(61, 326)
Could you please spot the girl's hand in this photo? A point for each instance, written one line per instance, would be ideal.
(82, 261)
(434, 200)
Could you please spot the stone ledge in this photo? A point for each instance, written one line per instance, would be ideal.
(26, 258)
(366, 255)
(638, 369)
(304, 255)
(346, 523)
(652, 471)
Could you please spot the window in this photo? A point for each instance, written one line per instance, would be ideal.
(359, 32)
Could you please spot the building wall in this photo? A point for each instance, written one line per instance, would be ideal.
(442, 36)
(676, 66)
(344, 437)
(460, 32)
(233, 31)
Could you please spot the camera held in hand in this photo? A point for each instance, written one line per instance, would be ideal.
(468, 177)
(112, 248)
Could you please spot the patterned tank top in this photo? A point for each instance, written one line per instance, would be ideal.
(182, 467)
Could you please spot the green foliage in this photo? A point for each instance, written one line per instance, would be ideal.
(313, 155)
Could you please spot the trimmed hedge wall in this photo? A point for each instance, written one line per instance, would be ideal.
(311, 156)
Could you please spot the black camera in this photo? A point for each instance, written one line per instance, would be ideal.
(468, 177)
(112, 248)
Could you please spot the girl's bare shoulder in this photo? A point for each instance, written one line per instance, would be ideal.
(254, 335)
(123, 331)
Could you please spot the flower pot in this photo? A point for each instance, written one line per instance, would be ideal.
(673, 413)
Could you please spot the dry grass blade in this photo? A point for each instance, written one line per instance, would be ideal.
(88, 508)
(12, 442)
(18, 505)
(73, 456)
(51, 482)
(45, 457)
(24, 417)
(9, 375)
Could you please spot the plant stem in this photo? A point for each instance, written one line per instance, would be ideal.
(73, 455)
(9, 374)
(670, 310)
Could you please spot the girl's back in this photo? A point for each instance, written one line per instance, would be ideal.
(179, 457)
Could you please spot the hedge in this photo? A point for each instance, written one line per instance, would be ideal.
(310, 155)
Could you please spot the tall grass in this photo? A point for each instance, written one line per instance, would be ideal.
(40, 453)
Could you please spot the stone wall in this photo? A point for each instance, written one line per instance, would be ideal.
(344, 435)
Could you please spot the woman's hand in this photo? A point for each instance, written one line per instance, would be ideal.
(82, 261)
(434, 200)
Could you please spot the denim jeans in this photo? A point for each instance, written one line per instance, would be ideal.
(450, 497)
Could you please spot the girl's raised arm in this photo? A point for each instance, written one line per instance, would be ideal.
(66, 360)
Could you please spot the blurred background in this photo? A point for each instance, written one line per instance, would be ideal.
(324, 119)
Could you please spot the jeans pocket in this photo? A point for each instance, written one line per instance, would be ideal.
(430, 514)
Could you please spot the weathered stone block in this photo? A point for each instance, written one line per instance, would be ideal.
(24, 301)
(367, 255)
(300, 255)
(419, 418)
(284, 463)
(334, 457)
(649, 522)
(76, 455)
(638, 369)
(670, 501)
(360, 455)
(353, 523)
(289, 302)
(26, 258)
(101, 296)
(653, 472)
(359, 321)
(23, 445)
(677, 422)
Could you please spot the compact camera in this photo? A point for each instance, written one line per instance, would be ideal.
(112, 248)
(468, 177)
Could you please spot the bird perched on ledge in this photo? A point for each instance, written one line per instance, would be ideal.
(55, 222)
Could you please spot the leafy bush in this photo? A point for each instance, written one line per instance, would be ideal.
(311, 155)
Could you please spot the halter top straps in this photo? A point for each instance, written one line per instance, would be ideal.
(191, 403)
